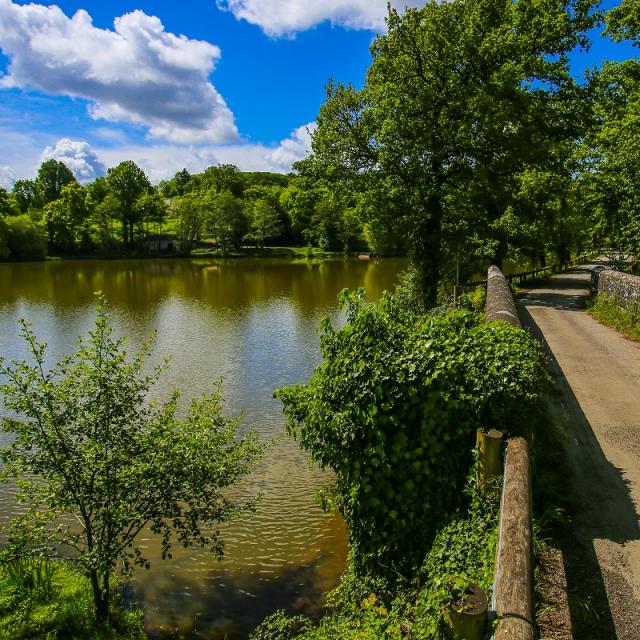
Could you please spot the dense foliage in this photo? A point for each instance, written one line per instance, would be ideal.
(222, 209)
(393, 411)
(94, 463)
(469, 111)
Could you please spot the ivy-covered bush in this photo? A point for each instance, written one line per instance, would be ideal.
(393, 411)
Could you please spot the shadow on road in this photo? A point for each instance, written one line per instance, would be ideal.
(597, 495)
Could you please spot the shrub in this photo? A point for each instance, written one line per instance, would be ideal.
(25, 239)
(393, 411)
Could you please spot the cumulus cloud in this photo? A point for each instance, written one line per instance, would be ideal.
(160, 162)
(285, 17)
(138, 73)
(295, 147)
(79, 158)
(7, 177)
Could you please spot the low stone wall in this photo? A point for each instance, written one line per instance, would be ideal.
(624, 286)
(500, 304)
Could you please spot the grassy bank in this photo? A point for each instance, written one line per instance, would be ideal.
(267, 252)
(606, 309)
(51, 601)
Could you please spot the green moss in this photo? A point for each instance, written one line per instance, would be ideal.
(606, 309)
(52, 601)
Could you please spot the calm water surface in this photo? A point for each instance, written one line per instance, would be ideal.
(254, 322)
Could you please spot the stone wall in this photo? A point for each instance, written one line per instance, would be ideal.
(624, 286)
(500, 304)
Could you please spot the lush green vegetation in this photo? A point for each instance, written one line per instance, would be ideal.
(625, 318)
(94, 464)
(393, 411)
(221, 210)
(50, 600)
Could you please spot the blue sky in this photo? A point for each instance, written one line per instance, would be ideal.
(203, 82)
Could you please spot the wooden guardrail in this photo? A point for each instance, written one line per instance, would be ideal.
(525, 275)
(513, 599)
(500, 304)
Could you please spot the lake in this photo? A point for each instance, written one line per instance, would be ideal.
(255, 323)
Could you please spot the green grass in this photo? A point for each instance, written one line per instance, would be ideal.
(50, 600)
(268, 252)
(626, 319)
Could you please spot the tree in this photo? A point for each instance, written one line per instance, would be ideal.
(190, 212)
(127, 182)
(226, 218)
(25, 239)
(459, 97)
(265, 222)
(26, 195)
(86, 444)
(611, 153)
(67, 219)
(623, 22)
(8, 206)
(223, 177)
(53, 176)
(151, 209)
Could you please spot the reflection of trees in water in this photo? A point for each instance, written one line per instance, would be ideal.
(218, 604)
(138, 284)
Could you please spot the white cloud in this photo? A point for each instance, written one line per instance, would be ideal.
(159, 161)
(285, 17)
(7, 177)
(295, 147)
(138, 73)
(78, 156)
(162, 161)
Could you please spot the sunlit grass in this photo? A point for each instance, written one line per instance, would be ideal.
(624, 318)
(52, 601)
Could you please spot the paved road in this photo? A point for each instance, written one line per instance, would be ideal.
(597, 379)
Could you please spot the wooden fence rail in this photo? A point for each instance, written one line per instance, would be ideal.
(513, 599)
(524, 275)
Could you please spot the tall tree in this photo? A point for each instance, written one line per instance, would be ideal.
(611, 154)
(25, 193)
(191, 216)
(151, 210)
(264, 222)
(454, 104)
(8, 205)
(67, 220)
(127, 182)
(227, 220)
(53, 176)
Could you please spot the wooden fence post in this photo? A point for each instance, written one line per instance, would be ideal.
(490, 455)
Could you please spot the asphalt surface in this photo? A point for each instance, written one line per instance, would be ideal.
(597, 400)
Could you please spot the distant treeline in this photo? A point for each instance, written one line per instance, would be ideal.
(124, 214)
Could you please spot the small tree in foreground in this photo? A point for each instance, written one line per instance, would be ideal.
(95, 464)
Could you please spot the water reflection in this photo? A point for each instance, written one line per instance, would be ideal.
(255, 322)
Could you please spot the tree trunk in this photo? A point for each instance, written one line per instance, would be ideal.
(426, 250)
(100, 597)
